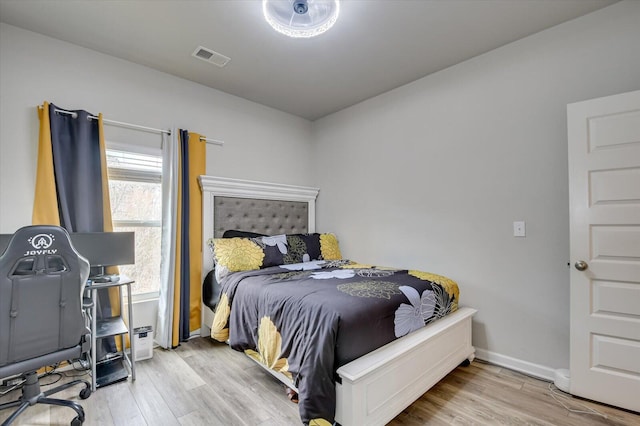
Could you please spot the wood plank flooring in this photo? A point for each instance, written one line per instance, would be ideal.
(206, 383)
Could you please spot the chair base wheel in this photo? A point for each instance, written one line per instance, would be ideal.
(85, 393)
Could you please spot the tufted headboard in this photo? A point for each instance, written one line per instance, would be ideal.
(265, 208)
(270, 217)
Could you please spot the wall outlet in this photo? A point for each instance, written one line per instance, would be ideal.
(519, 229)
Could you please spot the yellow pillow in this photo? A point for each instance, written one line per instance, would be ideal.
(329, 247)
(237, 254)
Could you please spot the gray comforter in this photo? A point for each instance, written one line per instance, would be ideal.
(306, 320)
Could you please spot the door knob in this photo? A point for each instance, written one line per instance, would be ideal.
(581, 265)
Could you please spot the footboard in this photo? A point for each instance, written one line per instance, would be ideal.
(378, 386)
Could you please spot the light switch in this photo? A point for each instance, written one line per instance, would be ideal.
(519, 229)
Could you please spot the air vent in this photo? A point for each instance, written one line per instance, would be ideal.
(211, 56)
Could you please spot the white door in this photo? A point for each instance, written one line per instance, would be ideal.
(604, 189)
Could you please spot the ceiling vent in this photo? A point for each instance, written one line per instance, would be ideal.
(211, 56)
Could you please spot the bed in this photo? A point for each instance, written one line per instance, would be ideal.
(372, 388)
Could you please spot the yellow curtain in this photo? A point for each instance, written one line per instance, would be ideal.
(197, 167)
(45, 203)
(107, 220)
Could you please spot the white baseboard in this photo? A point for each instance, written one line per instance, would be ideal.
(536, 370)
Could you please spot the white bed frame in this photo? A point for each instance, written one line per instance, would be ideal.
(379, 385)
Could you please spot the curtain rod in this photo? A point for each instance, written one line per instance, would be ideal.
(134, 126)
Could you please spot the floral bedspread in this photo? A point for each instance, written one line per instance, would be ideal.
(306, 320)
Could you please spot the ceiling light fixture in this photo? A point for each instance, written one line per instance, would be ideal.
(301, 18)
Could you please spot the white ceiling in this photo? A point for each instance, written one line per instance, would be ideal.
(375, 46)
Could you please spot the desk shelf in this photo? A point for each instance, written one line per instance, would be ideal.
(110, 327)
(111, 371)
(118, 367)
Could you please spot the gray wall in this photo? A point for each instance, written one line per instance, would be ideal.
(261, 143)
(433, 174)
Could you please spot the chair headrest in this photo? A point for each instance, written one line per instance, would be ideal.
(40, 241)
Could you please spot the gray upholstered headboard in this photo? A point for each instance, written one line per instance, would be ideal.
(270, 217)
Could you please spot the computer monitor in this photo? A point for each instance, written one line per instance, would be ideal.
(99, 248)
(105, 248)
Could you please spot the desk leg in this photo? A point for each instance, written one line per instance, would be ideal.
(94, 296)
(132, 349)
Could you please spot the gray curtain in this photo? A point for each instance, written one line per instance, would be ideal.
(75, 143)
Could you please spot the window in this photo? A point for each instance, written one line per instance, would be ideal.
(135, 190)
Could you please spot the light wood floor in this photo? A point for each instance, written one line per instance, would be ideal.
(207, 383)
